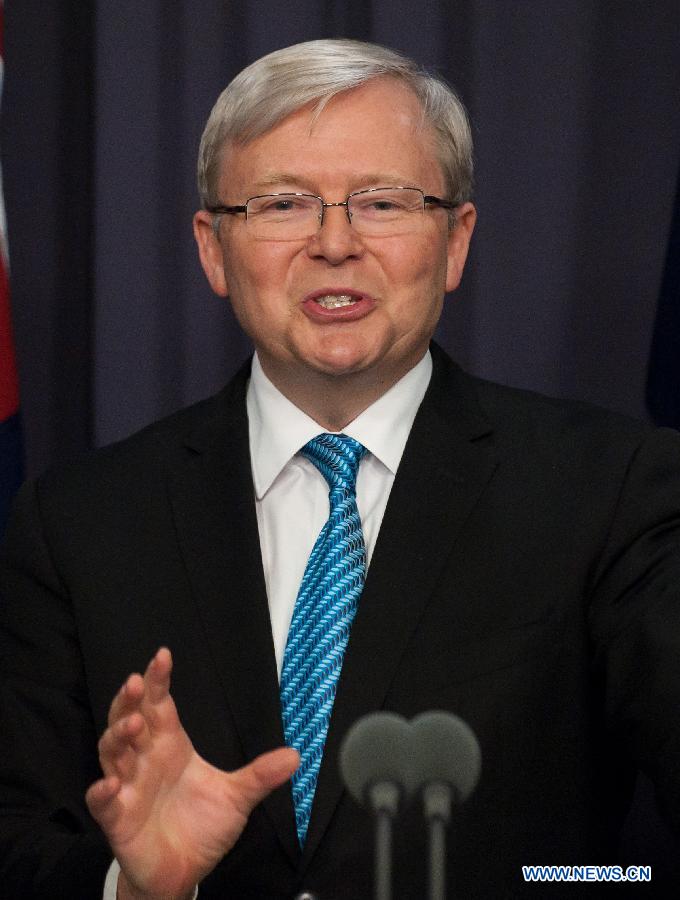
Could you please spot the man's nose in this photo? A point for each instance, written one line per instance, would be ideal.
(336, 240)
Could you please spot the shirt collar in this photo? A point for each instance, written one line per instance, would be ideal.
(278, 429)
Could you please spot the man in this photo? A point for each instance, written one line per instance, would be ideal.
(523, 554)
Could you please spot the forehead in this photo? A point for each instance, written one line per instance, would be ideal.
(375, 132)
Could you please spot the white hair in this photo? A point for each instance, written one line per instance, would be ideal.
(273, 87)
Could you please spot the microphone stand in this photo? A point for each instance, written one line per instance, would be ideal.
(448, 761)
(384, 799)
(437, 808)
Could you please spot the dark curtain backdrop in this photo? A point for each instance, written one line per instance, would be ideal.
(663, 382)
(577, 127)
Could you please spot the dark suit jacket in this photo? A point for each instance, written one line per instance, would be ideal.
(526, 577)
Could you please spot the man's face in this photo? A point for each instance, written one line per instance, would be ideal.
(368, 137)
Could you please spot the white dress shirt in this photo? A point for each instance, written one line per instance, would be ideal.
(291, 495)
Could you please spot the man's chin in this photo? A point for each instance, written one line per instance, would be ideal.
(340, 366)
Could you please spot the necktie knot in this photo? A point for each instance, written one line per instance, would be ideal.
(337, 457)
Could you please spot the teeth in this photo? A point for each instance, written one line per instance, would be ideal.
(333, 301)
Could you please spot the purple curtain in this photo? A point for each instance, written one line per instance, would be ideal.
(577, 130)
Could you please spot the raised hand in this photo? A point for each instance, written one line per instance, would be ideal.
(169, 815)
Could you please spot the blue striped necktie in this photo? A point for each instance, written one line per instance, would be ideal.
(324, 609)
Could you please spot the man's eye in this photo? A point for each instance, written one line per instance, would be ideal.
(282, 207)
(280, 204)
(379, 207)
(384, 205)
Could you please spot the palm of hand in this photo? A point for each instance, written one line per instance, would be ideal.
(168, 814)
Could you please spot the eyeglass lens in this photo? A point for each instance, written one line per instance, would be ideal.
(378, 212)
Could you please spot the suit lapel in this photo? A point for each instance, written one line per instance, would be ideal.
(447, 462)
(212, 497)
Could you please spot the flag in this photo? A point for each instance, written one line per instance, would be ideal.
(10, 431)
(663, 381)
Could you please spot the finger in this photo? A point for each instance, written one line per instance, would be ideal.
(154, 685)
(129, 732)
(121, 744)
(101, 796)
(158, 707)
(255, 781)
(157, 676)
(128, 698)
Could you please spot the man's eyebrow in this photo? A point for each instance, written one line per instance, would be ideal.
(273, 178)
(370, 179)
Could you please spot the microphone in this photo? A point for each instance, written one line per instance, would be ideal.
(447, 763)
(376, 761)
(384, 760)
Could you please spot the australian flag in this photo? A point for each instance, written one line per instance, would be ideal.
(663, 383)
(10, 432)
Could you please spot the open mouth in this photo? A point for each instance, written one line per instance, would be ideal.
(334, 301)
(337, 304)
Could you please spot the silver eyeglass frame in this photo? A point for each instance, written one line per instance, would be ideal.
(428, 199)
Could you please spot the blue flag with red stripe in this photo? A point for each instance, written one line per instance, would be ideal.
(11, 457)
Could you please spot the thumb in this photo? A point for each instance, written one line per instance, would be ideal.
(265, 773)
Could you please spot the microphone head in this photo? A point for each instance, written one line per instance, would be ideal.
(446, 750)
(377, 748)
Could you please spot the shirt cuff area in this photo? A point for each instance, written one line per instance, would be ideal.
(111, 883)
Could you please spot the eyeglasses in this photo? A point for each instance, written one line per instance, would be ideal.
(376, 212)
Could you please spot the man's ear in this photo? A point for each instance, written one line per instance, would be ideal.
(210, 251)
(459, 244)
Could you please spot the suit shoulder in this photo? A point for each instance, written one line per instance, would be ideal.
(517, 409)
(518, 414)
(139, 460)
(572, 435)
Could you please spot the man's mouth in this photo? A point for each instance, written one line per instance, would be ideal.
(334, 301)
(337, 304)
